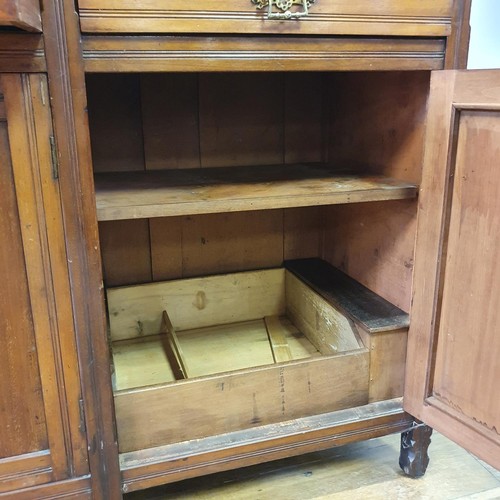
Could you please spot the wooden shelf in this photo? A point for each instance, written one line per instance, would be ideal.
(136, 195)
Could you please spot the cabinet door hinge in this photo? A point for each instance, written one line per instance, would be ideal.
(82, 416)
(54, 158)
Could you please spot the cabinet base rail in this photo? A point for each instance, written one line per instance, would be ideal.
(175, 462)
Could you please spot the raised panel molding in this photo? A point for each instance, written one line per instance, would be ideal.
(22, 53)
(148, 54)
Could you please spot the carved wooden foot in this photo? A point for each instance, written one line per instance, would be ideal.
(414, 445)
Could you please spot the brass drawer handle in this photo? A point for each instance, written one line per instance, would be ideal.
(284, 6)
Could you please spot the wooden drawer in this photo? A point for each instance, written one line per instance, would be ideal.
(237, 351)
(326, 17)
(24, 14)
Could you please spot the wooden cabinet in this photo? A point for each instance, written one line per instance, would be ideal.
(271, 184)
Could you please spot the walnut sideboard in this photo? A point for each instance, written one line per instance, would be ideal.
(236, 232)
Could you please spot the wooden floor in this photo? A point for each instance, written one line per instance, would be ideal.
(366, 470)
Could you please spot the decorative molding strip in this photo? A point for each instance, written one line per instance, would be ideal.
(115, 54)
(150, 467)
(252, 15)
(163, 20)
(25, 470)
(78, 487)
(21, 53)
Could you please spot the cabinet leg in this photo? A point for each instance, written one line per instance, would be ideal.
(413, 458)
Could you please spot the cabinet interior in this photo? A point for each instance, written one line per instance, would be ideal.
(251, 148)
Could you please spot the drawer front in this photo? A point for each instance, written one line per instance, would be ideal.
(24, 14)
(325, 17)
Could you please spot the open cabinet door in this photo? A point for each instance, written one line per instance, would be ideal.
(453, 370)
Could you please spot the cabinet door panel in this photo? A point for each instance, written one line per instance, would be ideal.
(453, 373)
(471, 295)
(41, 436)
(22, 418)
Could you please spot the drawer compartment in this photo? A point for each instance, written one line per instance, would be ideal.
(325, 17)
(205, 356)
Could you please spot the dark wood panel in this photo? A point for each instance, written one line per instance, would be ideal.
(169, 104)
(115, 122)
(377, 122)
(116, 133)
(304, 117)
(126, 252)
(218, 243)
(358, 302)
(166, 248)
(303, 232)
(241, 123)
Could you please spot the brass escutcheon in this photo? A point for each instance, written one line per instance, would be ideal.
(284, 6)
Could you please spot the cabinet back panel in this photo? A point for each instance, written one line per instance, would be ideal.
(22, 416)
(115, 122)
(241, 119)
(138, 251)
(377, 122)
(162, 121)
(170, 121)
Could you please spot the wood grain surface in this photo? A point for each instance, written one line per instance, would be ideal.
(24, 14)
(332, 17)
(134, 54)
(190, 192)
(452, 369)
(366, 470)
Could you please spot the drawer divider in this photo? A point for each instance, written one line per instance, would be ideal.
(173, 349)
(279, 344)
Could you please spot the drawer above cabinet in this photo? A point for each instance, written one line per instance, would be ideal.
(23, 14)
(315, 17)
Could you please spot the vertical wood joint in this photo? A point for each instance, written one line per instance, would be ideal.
(54, 158)
(82, 426)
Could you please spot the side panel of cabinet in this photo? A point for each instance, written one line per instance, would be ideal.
(453, 373)
(41, 439)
